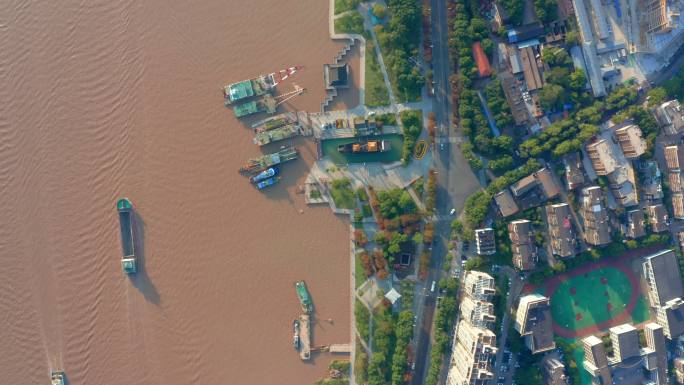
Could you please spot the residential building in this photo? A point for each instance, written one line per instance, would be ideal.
(595, 216)
(630, 140)
(574, 172)
(473, 350)
(533, 321)
(650, 180)
(561, 234)
(484, 241)
(679, 370)
(635, 224)
(522, 244)
(505, 202)
(670, 117)
(541, 182)
(655, 340)
(665, 291)
(674, 157)
(477, 312)
(675, 179)
(661, 16)
(602, 157)
(661, 271)
(533, 77)
(630, 362)
(474, 345)
(622, 184)
(657, 218)
(595, 360)
(554, 371)
(478, 285)
(625, 340)
(678, 205)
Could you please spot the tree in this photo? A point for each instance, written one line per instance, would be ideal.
(379, 11)
(656, 96)
(554, 56)
(551, 97)
(546, 10)
(558, 75)
(572, 38)
(578, 80)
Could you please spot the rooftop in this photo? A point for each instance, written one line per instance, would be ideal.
(336, 75)
(505, 202)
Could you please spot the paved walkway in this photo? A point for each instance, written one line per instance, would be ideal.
(350, 36)
(364, 7)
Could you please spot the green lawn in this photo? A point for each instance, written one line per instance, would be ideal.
(342, 194)
(359, 274)
(592, 302)
(329, 148)
(376, 91)
(345, 5)
(350, 23)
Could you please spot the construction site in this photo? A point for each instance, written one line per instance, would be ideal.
(625, 40)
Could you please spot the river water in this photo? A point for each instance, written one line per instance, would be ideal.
(103, 99)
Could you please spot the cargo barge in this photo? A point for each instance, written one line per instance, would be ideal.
(285, 132)
(304, 297)
(260, 85)
(260, 163)
(370, 146)
(305, 337)
(128, 260)
(273, 123)
(266, 103)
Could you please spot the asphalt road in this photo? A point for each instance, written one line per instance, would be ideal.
(455, 182)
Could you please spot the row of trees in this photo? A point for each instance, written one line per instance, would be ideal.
(391, 335)
(399, 39)
(614, 249)
(444, 319)
(568, 135)
(412, 125)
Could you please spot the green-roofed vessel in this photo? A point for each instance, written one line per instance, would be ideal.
(260, 163)
(128, 260)
(265, 103)
(304, 297)
(276, 134)
(260, 85)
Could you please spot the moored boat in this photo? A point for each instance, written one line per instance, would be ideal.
(245, 89)
(371, 146)
(258, 86)
(58, 378)
(295, 337)
(269, 172)
(267, 182)
(128, 260)
(260, 163)
(281, 133)
(304, 297)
